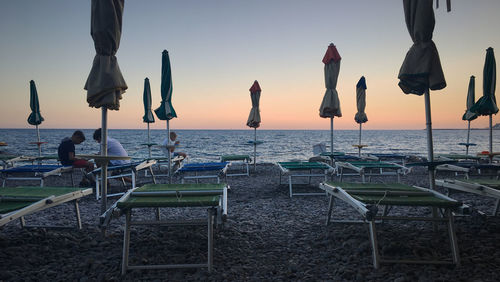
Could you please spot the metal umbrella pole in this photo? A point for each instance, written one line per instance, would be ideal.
(38, 143)
(255, 149)
(468, 138)
(169, 153)
(331, 136)
(430, 146)
(104, 164)
(149, 142)
(359, 143)
(491, 139)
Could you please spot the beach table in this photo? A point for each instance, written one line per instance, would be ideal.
(36, 172)
(241, 160)
(203, 171)
(212, 197)
(18, 202)
(370, 168)
(303, 169)
(366, 198)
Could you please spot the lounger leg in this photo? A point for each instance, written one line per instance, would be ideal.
(210, 238)
(373, 239)
(331, 202)
(158, 214)
(497, 206)
(77, 213)
(22, 221)
(41, 182)
(453, 238)
(126, 242)
(133, 179)
(435, 215)
(290, 185)
(152, 174)
(97, 192)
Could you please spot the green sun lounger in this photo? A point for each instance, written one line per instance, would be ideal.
(213, 197)
(241, 160)
(21, 201)
(484, 187)
(303, 169)
(370, 168)
(366, 198)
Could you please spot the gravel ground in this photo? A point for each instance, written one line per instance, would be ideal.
(268, 236)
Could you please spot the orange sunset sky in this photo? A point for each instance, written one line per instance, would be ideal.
(218, 48)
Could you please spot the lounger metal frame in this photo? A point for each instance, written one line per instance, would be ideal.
(215, 215)
(396, 170)
(474, 188)
(124, 171)
(293, 173)
(46, 203)
(370, 216)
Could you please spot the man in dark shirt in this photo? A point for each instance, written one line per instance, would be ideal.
(66, 153)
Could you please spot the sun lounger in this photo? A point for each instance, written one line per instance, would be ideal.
(366, 198)
(121, 171)
(370, 168)
(303, 169)
(21, 201)
(484, 187)
(163, 162)
(242, 160)
(210, 196)
(203, 171)
(395, 158)
(33, 173)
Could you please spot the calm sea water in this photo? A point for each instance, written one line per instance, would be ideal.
(278, 145)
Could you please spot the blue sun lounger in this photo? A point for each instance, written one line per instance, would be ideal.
(121, 171)
(18, 202)
(366, 198)
(33, 173)
(203, 171)
(213, 197)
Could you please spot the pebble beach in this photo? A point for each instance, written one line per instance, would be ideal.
(267, 236)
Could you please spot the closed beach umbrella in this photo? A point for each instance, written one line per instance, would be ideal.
(360, 117)
(421, 69)
(148, 114)
(105, 84)
(35, 118)
(166, 110)
(330, 106)
(254, 117)
(487, 105)
(468, 115)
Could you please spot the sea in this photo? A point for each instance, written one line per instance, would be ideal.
(277, 145)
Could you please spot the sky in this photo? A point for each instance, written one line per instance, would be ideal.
(219, 47)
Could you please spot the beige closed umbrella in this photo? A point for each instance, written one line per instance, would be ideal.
(105, 84)
(254, 118)
(330, 106)
(421, 69)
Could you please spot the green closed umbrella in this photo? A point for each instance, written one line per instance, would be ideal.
(35, 118)
(330, 106)
(254, 118)
(105, 83)
(487, 105)
(166, 110)
(468, 115)
(148, 115)
(421, 69)
(360, 117)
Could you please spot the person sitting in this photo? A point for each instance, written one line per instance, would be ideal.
(173, 143)
(114, 148)
(66, 155)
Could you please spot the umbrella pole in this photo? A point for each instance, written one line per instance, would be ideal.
(430, 147)
(359, 147)
(104, 165)
(255, 149)
(331, 136)
(169, 153)
(491, 139)
(38, 141)
(149, 143)
(468, 136)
